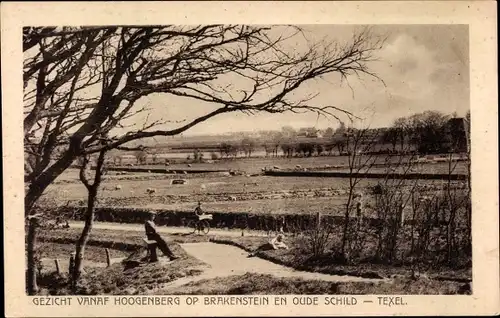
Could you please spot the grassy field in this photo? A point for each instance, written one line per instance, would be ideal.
(299, 257)
(259, 284)
(226, 194)
(62, 251)
(255, 165)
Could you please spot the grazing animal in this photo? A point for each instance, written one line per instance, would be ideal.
(118, 187)
(189, 165)
(232, 198)
(185, 172)
(150, 190)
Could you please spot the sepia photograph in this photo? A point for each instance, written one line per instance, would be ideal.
(247, 159)
(234, 159)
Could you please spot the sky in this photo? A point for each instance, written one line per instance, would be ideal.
(423, 67)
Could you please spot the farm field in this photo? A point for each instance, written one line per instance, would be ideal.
(257, 195)
(209, 188)
(255, 165)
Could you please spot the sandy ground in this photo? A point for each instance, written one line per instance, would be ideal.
(226, 260)
(164, 229)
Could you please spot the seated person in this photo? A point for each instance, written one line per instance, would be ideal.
(153, 235)
(275, 244)
(198, 210)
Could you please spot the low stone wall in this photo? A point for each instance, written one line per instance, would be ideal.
(368, 175)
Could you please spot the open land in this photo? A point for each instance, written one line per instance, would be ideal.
(250, 193)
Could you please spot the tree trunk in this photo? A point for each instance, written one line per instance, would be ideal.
(84, 237)
(38, 186)
(346, 226)
(31, 273)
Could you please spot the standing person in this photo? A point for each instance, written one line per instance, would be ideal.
(152, 234)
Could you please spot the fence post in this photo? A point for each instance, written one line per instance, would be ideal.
(402, 216)
(58, 266)
(318, 220)
(71, 263)
(108, 258)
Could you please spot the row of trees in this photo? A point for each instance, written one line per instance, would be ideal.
(425, 133)
(429, 132)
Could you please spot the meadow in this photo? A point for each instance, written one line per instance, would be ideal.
(257, 194)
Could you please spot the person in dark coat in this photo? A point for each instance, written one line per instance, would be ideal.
(152, 234)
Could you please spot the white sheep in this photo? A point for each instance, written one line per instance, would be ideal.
(232, 198)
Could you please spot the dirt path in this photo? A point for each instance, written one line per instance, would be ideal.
(164, 229)
(226, 260)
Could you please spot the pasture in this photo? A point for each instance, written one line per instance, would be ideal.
(255, 165)
(224, 193)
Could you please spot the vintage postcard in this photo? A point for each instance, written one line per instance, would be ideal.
(250, 159)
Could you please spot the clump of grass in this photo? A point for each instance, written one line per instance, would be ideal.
(117, 280)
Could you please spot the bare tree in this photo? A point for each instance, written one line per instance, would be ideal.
(92, 190)
(81, 83)
(141, 156)
(360, 160)
(248, 146)
(123, 64)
